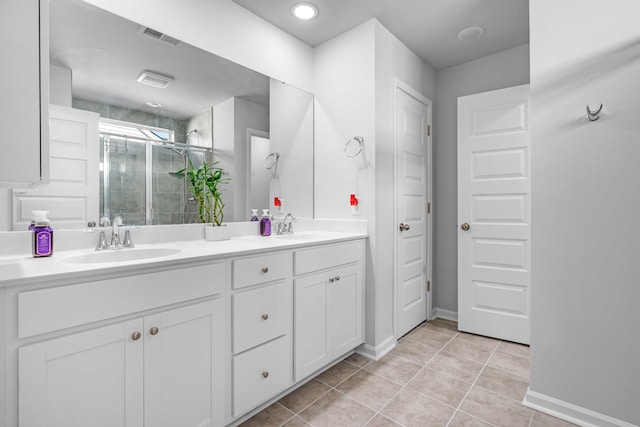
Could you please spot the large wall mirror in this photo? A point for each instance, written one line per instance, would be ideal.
(162, 104)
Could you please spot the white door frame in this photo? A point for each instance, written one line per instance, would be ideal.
(400, 85)
(251, 132)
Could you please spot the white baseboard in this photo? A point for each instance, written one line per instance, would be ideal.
(377, 352)
(441, 313)
(569, 412)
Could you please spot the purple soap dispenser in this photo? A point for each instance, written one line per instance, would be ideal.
(265, 223)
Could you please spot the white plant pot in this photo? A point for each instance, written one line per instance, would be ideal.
(213, 234)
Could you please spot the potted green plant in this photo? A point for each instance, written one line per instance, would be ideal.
(204, 182)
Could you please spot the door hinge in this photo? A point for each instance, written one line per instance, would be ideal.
(428, 285)
(429, 208)
(428, 130)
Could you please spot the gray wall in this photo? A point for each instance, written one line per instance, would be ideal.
(497, 71)
(585, 346)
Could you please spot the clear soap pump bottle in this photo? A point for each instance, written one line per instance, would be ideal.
(265, 223)
(254, 215)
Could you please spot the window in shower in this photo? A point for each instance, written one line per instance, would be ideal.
(136, 180)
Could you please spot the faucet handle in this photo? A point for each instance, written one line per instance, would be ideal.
(127, 243)
(102, 242)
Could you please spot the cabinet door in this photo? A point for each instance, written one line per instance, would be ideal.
(311, 333)
(183, 362)
(91, 378)
(346, 309)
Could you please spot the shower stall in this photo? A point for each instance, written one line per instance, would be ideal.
(136, 181)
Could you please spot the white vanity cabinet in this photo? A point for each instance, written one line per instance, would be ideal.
(165, 368)
(25, 92)
(329, 304)
(262, 327)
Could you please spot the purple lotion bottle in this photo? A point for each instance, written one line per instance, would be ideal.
(265, 223)
(42, 235)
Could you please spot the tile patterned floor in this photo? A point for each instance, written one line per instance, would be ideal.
(436, 376)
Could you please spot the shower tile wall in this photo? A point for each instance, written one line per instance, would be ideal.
(127, 192)
(168, 192)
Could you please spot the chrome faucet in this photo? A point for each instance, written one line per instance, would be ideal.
(115, 232)
(286, 226)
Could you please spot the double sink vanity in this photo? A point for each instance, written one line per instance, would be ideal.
(178, 330)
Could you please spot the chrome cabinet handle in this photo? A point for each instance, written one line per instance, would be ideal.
(154, 331)
(331, 280)
(337, 278)
(404, 227)
(265, 316)
(136, 336)
(465, 227)
(265, 374)
(265, 269)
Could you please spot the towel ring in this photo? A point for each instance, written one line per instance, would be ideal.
(593, 115)
(271, 160)
(354, 146)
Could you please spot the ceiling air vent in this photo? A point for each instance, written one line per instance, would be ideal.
(154, 79)
(158, 36)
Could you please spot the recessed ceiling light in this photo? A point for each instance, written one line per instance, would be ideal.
(470, 33)
(304, 11)
(153, 104)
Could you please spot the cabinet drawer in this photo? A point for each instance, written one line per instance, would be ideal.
(314, 259)
(261, 269)
(52, 309)
(261, 373)
(260, 315)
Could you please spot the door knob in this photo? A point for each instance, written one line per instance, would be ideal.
(465, 227)
(404, 227)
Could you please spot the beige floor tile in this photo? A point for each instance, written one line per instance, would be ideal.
(296, 422)
(272, 416)
(543, 420)
(495, 409)
(503, 383)
(426, 336)
(410, 409)
(456, 366)
(298, 399)
(460, 419)
(394, 368)
(508, 362)
(476, 352)
(336, 409)
(514, 348)
(415, 351)
(479, 339)
(338, 373)
(441, 387)
(440, 328)
(358, 360)
(380, 421)
(369, 389)
(443, 323)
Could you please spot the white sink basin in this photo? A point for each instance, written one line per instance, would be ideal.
(120, 255)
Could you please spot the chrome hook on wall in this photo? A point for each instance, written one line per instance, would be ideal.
(593, 115)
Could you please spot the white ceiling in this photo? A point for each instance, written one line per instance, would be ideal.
(428, 27)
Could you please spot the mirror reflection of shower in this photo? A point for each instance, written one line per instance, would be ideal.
(135, 174)
(260, 147)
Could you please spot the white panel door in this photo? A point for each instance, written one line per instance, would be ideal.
(91, 378)
(494, 214)
(181, 353)
(412, 136)
(72, 195)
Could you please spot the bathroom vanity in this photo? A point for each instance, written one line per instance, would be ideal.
(190, 333)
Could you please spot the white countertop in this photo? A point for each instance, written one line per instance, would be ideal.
(20, 269)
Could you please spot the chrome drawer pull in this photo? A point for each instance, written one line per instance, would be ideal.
(154, 331)
(332, 280)
(136, 336)
(265, 269)
(265, 316)
(265, 374)
(337, 278)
